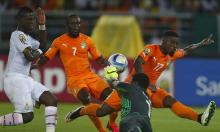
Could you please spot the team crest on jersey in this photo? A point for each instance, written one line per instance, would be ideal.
(22, 38)
(146, 51)
(83, 45)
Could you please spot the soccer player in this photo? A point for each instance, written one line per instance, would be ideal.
(21, 89)
(135, 103)
(153, 60)
(73, 48)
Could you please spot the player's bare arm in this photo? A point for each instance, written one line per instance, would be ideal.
(102, 61)
(204, 42)
(43, 60)
(31, 54)
(139, 61)
(41, 20)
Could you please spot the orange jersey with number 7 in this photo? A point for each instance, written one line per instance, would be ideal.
(155, 62)
(74, 53)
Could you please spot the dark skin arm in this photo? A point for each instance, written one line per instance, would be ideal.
(41, 20)
(139, 61)
(43, 60)
(102, 61)
(31, 54)
(204, 42)
(138, 68)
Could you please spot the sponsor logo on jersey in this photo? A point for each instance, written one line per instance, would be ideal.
(83, 45)
(22, 38)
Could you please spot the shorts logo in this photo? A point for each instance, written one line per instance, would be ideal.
(22, 38)
(83, 45)
(26, 106)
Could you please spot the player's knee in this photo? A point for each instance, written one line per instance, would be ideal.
(48, 99)
(104, 110)
(84, 96)
(169, 101)
(106, 92)
(27, 117)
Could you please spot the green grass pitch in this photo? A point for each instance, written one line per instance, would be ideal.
(162, 121)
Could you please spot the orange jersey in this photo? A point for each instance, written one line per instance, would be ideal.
(74, 53)
(156, 62)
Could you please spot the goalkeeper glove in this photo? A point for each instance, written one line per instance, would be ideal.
(110, 73)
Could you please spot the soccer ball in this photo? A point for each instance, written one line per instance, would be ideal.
(119, 61)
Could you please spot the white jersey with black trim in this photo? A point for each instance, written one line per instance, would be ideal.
(17, 63)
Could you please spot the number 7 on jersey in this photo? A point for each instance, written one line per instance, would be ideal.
(74, 50)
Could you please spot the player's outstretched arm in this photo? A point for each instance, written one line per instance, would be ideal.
(139, 61)
(204, 42)
(43, 60)
(102, 61)
(41, 20)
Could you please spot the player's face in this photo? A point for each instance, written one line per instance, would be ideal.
(27, 22)
(74, 26)
(170, 45)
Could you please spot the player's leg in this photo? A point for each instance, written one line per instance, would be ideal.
(41, 94)
(78, 89)
(134, 122)
(161, 99)
(101, 90)
(85, 97)
(15, 88)
(109, 106)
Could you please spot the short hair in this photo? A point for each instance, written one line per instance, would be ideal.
(170, 33)
(71, 16)
(142, 79)
(23, 11)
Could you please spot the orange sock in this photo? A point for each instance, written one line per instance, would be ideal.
(112, 117)
(90, 109)
(184, 111)
(97, 122)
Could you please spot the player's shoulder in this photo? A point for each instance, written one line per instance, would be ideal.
(84, 36)
(150, 48)
(123, 84)
(61, 38)
(18, 34)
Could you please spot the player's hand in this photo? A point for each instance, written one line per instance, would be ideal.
(153, 88)
(207, 41)
(110, 73)
(34, 66)
(41, 18)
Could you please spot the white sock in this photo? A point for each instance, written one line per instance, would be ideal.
(11, 119)
(50, 118)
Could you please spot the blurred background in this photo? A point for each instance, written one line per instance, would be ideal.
(125, 26)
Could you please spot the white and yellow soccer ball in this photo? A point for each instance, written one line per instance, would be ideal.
(119, 61)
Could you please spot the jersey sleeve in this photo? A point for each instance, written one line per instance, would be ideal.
(179, 53)
(52, 51)
(146, 53)
(122, 87)
(20, 41)
(92, 49)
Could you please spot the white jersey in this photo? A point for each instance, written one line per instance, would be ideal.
(17, 63)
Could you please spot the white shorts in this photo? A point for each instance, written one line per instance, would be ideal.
(22, 91)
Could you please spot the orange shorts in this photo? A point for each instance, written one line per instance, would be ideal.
(91, 81)
(113, 100)
(157, 97)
